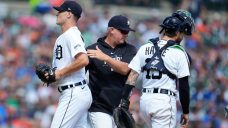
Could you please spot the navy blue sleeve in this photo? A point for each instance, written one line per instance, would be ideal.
(184, 94)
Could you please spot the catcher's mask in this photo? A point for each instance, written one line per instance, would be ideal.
(181, 21)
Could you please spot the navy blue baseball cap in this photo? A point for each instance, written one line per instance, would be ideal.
(70, 6)
(120, 22)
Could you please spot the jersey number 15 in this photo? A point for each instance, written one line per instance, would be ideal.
(153, 74)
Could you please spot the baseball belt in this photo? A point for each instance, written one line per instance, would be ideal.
(158, 90)
(64, 87)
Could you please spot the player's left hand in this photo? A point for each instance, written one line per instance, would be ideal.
(184, 121)
(123, 118)
(98, 54)
(45, 73)
(124, 103)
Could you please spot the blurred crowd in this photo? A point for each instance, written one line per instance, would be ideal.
(28, 40)
(144, 3)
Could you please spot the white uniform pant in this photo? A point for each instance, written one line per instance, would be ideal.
(101, 120)
(159, 110)
(73, 108)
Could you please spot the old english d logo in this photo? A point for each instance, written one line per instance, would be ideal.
(59, 52)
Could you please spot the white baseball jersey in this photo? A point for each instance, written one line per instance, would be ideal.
(68, 45)
(73, 102)
(159, 110)
(174, 58)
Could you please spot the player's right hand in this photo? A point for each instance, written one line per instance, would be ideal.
(184, 121)
(98, 54)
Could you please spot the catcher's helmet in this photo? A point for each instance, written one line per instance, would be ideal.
(180, 20)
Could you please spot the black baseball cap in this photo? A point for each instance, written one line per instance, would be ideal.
(120, 22)
(70, 6)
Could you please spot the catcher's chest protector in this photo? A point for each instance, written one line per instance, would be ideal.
(156, 62)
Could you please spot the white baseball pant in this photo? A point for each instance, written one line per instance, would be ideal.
(73, 108)
(101, 120)
(159, 110)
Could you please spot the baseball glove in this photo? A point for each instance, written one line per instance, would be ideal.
(45, 73)
(123, 118)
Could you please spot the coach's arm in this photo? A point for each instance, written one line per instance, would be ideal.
(118, 66)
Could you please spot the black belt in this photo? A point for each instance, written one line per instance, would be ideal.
(158, 90)
(64, 87)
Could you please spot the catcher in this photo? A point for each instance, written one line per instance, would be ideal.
(161, 69)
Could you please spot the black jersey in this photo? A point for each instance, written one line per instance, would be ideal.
(106, 85)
